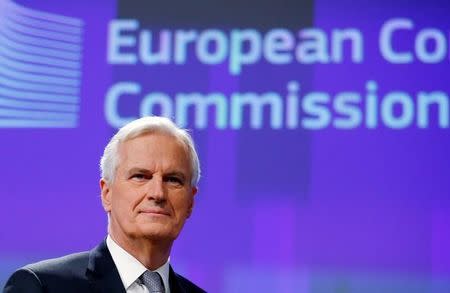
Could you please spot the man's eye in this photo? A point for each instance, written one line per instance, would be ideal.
(175, 180)
(138, 176)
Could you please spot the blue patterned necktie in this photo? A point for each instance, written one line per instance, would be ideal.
(153, 282)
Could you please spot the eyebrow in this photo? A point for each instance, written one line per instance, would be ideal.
(146, 171)
(138, 170)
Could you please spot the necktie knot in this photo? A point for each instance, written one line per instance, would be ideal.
(153, 282)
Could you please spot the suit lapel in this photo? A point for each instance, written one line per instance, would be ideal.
(102, 272)
(174, 282)
(104, 277)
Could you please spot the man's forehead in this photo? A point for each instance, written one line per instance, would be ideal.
(157, 139)
(167, 148)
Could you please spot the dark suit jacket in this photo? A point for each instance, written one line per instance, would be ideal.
(90, 271)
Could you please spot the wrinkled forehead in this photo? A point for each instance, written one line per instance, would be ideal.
(157, 145)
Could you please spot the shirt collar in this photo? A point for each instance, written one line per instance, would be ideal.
(130, 269)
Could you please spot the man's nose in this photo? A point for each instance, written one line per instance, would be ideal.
(156, 190)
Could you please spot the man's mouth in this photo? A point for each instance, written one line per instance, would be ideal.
(154, 211)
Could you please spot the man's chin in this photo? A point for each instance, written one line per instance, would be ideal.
(155, 230)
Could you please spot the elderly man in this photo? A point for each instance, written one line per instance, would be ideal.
(150, 170)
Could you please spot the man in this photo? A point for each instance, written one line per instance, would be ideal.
(150, 170)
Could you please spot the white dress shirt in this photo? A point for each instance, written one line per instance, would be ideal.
(130, 269)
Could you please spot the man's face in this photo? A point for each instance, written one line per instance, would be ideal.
(151, 195)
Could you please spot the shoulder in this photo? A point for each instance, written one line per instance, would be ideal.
(187, 285)
(23, 280)
(68, 264)
(34, 277)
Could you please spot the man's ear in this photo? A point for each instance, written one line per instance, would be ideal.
(105, 195)
(194, 191)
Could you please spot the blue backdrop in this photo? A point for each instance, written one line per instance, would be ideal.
(322, 128)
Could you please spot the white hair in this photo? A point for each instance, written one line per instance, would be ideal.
(141, 126)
